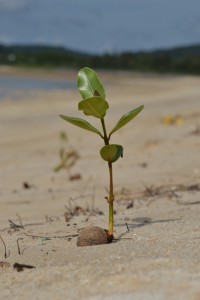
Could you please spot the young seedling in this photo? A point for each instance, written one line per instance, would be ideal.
(67, 157)
(94, 104)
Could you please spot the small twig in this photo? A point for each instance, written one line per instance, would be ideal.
(66, 236)
(51, 237)
(15, 226)
(93, 199)
(20, 221)
(187, 203)
(18, 247)
(127, 227)
(6, 254)
(130, 205)
(36, 236)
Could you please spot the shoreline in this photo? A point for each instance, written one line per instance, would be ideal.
(50, 73)
(60, 73)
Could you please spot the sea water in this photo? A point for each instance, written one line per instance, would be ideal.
(12, 84)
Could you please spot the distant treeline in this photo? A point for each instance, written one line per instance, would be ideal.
(176, 60)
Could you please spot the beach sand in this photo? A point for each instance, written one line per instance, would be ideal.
(156, 254)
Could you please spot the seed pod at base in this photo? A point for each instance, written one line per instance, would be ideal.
(92, 235)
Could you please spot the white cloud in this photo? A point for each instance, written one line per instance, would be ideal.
(9, 5)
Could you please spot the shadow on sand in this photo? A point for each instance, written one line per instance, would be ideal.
(139, 222)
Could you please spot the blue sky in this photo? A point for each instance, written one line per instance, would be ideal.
(99, 26)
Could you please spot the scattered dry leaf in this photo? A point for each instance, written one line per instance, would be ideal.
(4, 264)
(75, 177)
(20, 267)
(173, 120)
(196, 131)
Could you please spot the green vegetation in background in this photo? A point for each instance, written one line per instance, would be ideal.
(178, 60)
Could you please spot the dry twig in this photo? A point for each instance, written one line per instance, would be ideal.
(6, 254)
(18, 247)
(152, 193)
(52, 237)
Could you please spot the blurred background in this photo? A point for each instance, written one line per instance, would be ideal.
(139, 35)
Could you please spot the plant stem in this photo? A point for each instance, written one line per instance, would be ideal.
(111, 193)
(111, 199)
(106, 139)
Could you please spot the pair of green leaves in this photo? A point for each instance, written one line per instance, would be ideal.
(94, 103)
(93, 94)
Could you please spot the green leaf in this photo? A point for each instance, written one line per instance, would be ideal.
(111, 153)
(95, 106)
(89, 84)
(81, 123)
(126, 118)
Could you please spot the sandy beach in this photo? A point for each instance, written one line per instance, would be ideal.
(156, 251)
